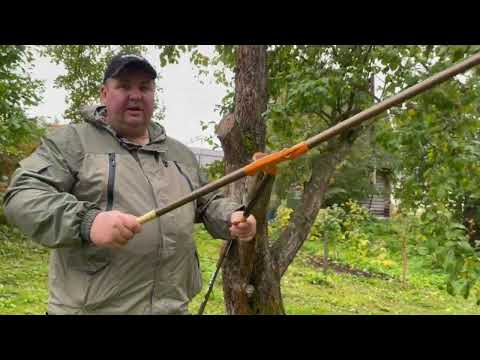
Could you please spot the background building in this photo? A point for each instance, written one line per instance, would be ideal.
(206, 156)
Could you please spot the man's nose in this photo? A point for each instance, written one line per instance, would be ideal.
(135, 94)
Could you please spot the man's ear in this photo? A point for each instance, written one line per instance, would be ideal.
(103, 94)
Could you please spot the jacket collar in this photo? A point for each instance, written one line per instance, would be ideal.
(96, 114)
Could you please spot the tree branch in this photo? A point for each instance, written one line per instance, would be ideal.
(292, 238)
(321, 113)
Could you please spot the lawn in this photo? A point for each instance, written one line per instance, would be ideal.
(306, 289)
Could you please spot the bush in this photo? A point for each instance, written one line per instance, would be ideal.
(280, 222)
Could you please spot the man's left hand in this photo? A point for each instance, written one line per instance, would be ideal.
(243, 229)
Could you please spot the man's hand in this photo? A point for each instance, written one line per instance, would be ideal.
(113, 229)
(241, 229)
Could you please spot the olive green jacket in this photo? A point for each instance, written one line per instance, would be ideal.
(82, 169)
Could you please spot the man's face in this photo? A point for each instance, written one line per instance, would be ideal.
(129, 99)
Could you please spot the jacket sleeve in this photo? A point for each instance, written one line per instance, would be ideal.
(38, 199)
(214, 210)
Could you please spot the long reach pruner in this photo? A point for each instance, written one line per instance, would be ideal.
(268, 162)
(301, 148)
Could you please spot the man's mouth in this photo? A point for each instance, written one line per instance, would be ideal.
(134, 108)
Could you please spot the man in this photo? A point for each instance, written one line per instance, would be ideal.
(81, 191)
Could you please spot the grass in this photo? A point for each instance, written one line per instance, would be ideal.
(306, 290)
(23, 274)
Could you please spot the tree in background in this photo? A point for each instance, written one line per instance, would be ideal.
(435, 141)
(85, 66)
(18, 92)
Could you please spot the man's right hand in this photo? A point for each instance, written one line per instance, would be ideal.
(113, 229)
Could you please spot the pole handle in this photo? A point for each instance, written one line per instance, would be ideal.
(147, 217)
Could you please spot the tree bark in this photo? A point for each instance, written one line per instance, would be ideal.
(250, 283)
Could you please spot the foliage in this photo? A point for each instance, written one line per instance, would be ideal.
(434, 140)
(85, 66)
(215, 170)
(281, 220)
(349, 225)
(18, 92)
(353, 176)
(446, 241)
(315, 87)
(328, 223)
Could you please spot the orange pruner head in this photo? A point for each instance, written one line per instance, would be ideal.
(268, 162)
(270, 169)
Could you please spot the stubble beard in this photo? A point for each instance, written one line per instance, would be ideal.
(130, 128)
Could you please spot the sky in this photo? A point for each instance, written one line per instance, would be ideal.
(186, 99)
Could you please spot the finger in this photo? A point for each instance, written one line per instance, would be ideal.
(233, 232)
(246, 232)
(245, 238)
(243, 226)
(131, 223)
(237, 217)
(242, 236)
(118, 238)
(135, 226)
(115, 241)
(125, 233)
(241, 222)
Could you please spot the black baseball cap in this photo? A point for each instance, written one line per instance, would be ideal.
(122, 61)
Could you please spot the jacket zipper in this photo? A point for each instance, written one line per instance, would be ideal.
(111, 180)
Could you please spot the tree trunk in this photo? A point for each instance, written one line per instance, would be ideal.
(252, 271)
(250, 283)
